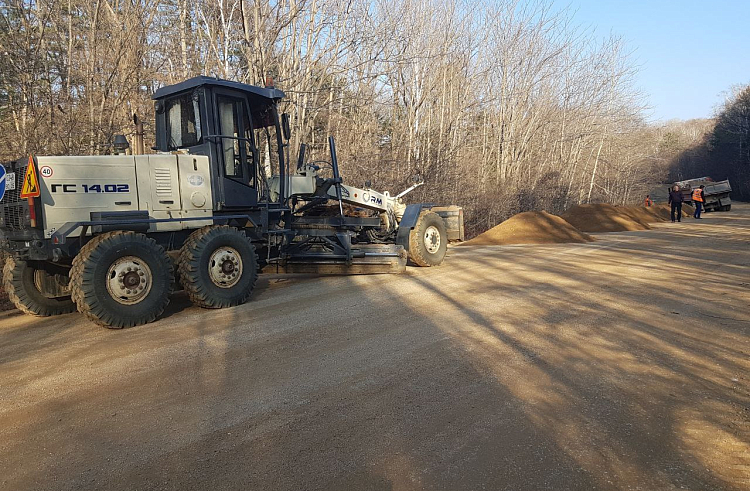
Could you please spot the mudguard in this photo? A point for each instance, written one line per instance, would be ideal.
(408, 222)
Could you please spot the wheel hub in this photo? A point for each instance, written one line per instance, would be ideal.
(225, 267)
(129, 280)
(432, 239)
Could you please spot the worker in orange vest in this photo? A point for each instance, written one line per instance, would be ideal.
(648, 201)
(698, 199)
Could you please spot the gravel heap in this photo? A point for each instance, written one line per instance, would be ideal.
(663, 211)
(602, 217)
(531, 227)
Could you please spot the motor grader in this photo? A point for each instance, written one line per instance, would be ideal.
(217, 202)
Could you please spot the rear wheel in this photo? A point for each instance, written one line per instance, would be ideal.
(218, 267)
(34, 290)
(122, 279)
(428, 240)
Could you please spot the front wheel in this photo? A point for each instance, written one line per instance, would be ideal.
(122, 279)
(218, 267)
(34, 291)
(428, 240)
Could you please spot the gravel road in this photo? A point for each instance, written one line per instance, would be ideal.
(619, 364)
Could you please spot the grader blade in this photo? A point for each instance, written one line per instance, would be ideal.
(369, 259)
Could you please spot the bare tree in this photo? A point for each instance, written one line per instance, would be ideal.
(500, 106)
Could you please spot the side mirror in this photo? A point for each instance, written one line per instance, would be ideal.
(368, 184)
(285, 127)
(301, 158)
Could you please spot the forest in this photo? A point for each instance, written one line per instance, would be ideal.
(719, 147)
(500, 106)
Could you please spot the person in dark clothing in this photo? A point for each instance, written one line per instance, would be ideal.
(699, 197)
(676, 199)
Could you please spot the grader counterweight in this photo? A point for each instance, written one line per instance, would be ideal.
(107, 235)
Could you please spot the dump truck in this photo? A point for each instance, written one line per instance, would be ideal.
(715, 192)
(111, 236)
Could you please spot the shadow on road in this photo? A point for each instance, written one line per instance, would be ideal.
(613, 365)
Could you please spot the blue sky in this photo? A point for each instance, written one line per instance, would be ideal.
(689, 51)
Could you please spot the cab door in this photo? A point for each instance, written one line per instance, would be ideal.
(235, 152)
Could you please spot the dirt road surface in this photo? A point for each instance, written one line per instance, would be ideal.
(619, 364)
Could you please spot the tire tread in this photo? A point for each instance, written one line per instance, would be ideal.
(416, 253)
(188, 267)
(81, 280)
(14, 286)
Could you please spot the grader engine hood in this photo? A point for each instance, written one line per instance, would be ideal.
(74, 189)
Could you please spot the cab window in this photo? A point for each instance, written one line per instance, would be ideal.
(183, 122)
(265, 139)
(229, 111)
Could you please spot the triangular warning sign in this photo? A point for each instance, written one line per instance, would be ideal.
(30, 187)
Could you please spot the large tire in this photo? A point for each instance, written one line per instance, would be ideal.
(22, 289)
(218, 267)
(122, 279)
(428, 240)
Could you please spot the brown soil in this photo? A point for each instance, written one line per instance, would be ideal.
(642, 214)
(504, 368)
(5, 303)
(531, 227)
(663, 211)
(602, 217)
